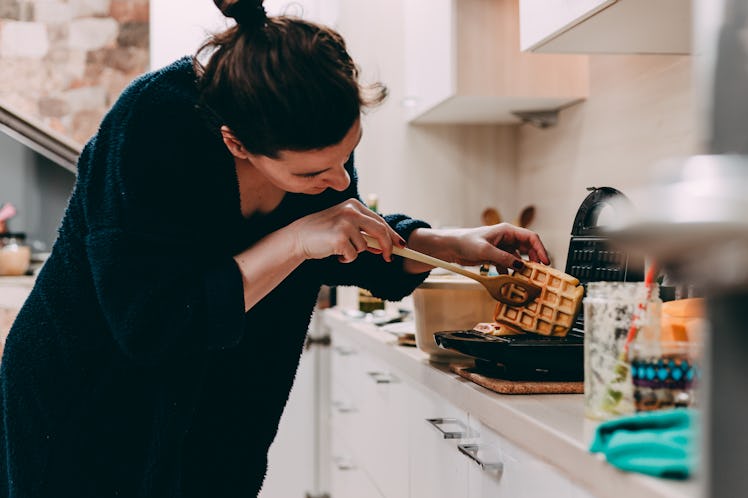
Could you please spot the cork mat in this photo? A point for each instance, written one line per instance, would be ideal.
(503, 386)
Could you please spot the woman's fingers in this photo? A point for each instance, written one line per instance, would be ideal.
(385, 236)
(512, 238)
(503, 259)
(357, 218)
(350, 250)
(339, 230)
(529, 241)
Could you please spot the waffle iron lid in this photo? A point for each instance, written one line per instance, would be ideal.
(588, 214)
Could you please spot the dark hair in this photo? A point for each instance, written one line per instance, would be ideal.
(281, 83)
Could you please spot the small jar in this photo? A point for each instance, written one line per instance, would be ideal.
(608, 312)
(15, 255)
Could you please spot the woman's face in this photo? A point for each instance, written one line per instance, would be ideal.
(313, 171)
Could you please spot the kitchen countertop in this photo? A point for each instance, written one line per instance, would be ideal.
(552, 427)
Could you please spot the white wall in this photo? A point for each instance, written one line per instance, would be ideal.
(178, 28)
(444, 174)
(640, 110)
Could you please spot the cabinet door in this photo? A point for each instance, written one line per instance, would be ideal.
(501, 469)
(540, 20)
(370, 412)
(343, 359)
(430, 53)
(463, 65)
(382, 439)
(606, 26)
(577, 492)
(293, 449)
(347, 478)
(437, 470)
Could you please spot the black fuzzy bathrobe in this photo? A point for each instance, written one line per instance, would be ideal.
(132, 369)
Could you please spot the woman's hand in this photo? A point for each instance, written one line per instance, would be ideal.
(500, 245)
(337, 231)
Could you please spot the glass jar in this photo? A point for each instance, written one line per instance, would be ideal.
(610, 308)
(665, 374)
(368, 303)
(15, 255)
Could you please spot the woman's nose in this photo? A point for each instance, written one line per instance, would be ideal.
(338, 179)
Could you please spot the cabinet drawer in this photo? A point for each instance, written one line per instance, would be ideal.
(436, 467)
(347, 478)
(369, 411)
(501, 469)
(383, 398)
(344, 356)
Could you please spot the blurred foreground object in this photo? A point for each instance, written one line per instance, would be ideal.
(696, 224)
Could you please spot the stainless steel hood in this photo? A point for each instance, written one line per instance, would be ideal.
(51, 145)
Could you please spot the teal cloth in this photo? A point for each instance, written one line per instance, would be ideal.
(658, 443)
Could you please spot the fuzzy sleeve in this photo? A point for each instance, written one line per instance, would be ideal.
(161, 289)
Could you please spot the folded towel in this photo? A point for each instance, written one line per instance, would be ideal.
(658, 443)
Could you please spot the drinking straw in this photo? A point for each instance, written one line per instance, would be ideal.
(640, 309)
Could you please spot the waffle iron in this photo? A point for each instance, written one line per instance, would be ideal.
(590, 258)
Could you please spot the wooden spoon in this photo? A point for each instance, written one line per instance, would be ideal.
(490, 216)
(525, 217)
(503, 288)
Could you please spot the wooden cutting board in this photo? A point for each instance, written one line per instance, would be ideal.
(503, 386)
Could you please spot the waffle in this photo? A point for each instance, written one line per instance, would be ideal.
(493, 328)
(553, 312)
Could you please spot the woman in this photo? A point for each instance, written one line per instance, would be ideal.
(156, 352)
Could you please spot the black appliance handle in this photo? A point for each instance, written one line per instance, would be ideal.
(585, 222)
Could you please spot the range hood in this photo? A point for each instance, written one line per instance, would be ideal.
(48, 143)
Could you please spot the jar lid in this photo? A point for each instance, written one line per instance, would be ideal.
(450, 282)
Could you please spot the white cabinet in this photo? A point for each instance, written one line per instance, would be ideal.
(392, 438)
(435, 428)
(606, 26)
(347, 478)
(456, 439)
(368, 414)
(502, 469)
(463, 65)
(294, 448)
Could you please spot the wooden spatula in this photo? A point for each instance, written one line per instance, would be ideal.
(504, 288)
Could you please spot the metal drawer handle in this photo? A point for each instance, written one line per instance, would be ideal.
(471, 451)
(344, 351)
(448, 434)
(382, 377)
(344, 463)
(343, 407)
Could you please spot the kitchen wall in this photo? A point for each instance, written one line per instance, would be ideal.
(445, 174)
(640, 110)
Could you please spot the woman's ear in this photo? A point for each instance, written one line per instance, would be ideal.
(233, 144)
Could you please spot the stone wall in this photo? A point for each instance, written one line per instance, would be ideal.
(64, 62)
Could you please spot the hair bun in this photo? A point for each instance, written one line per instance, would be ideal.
(247, 13)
